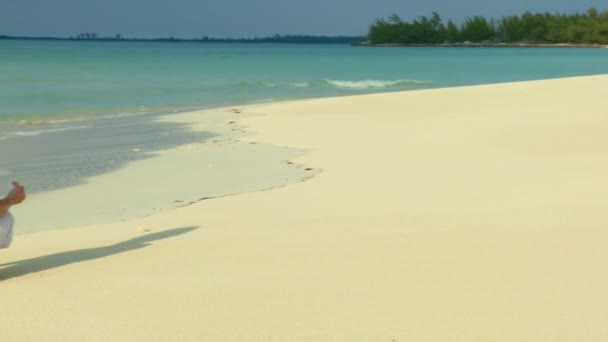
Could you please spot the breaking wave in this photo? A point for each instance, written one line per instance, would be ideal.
(342, 84)
(374, 84)
(299, 84)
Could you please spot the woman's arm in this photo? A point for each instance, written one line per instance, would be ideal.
(15, 196)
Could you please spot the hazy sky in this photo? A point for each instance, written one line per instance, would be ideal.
(245, 18)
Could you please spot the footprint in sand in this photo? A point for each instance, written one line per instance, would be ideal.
(143, 229)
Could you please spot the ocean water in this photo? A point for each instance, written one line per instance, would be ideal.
(72, 109)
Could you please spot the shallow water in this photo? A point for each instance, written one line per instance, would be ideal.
(70, 110)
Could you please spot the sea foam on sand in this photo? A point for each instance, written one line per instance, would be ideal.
(463, 214)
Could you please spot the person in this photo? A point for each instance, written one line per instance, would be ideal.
(15, 196)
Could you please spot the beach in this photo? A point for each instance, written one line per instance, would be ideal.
(473, 213)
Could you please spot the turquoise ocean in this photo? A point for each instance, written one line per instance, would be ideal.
(70, 110)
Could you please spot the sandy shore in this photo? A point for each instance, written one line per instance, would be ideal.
(463, 214)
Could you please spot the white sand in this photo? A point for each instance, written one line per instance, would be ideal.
(463, 214)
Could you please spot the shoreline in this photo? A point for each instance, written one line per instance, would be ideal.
(488, 45)
(218, 157)
(452, 214)
(224, 123)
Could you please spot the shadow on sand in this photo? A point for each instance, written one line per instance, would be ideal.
(47, 262)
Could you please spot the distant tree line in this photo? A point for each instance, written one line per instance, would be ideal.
(539, 28)
(87, 36)
(294, 39)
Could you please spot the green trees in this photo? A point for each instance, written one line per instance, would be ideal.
(87, 36)
(452, 34)
(420, 31)
(538, 28)
(387, 31)
(477, 29)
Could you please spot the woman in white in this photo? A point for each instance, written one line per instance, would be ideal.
(15, 196)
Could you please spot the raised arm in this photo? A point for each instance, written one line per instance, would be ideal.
(15, 196)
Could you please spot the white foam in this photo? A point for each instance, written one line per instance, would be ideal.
(50, 130)
(258, 101)
(372, 84)
(299, 84)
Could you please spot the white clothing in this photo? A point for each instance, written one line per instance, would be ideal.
(6, 230)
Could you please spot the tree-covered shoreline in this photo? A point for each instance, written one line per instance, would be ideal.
(540, 29)
(289, 39)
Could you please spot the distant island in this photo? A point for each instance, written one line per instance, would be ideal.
(528, 30)
(292, 39)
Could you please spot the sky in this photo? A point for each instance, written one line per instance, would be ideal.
(246, 18)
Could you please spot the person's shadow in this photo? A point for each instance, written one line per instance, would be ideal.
(47, 262)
